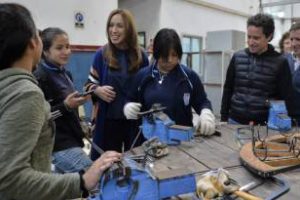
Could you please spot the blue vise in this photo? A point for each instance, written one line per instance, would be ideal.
(278, 116)
(139, 184)
(161, 126)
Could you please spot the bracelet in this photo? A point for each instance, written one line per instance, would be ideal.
(85, 192)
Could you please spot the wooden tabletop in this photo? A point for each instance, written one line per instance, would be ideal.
(204, 154)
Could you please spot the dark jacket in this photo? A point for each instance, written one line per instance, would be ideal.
(121, 80)
(296, 86)
(252, 80)
(180, 91)
(57, 85)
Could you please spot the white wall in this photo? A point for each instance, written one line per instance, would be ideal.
(245, 6)
(195, 19)
(146, 13)
(60, 13)
(190, 16)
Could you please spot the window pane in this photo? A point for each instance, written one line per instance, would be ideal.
(195, 45)
(186, 44)
(196, 63)
(142, 39)
(184, 59)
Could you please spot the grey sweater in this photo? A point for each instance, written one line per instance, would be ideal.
(26, 143)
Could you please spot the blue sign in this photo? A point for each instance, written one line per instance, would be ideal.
(79, 17)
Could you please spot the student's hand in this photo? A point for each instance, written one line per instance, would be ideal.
(92, 176)
(206, 124)
(106, 93)
(131, 110)
(73, 100)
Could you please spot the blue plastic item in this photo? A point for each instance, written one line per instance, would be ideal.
(278, 116)
(166, 130)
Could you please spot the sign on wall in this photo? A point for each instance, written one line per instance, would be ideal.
(79, 19)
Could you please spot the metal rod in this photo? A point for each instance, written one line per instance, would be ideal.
(94, 145)
(135, 139)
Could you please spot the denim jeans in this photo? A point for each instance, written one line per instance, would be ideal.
(71, 160)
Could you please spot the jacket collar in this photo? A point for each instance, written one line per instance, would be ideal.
(270, 51)
(52, 67)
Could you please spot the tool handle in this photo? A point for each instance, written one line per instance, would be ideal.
(246, 196)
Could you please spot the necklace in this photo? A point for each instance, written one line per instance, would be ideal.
(161, 77)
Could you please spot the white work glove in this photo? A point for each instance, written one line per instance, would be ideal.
(206, 124)
(131, 110)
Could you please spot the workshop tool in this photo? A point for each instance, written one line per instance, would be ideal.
(278, 116)
(217, 183)
(155, 123)
(155, 108)
(130, 180)
(140, 184)
(284, 187)
(246, 196)
(270, 155)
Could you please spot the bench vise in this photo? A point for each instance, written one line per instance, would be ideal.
(140, 184)
(278, 116)
(160, 125)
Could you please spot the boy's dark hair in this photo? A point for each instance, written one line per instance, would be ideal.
(48, 35)
(295, 26)
(16, 30)
(265, 21)
(164, 41)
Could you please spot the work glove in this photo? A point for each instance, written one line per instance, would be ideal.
(131, 110)
(206, 124)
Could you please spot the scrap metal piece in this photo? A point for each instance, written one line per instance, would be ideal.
(284, 187)
(155, 148)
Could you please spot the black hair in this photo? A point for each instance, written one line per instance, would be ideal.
(295, 26)
(165, 41)
(17, 28)
(265, 21)
(48, 35)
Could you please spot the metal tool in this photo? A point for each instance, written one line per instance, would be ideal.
(140, 183)
(284, 187)
(242, 192)
(248, 186)
(268, 155)
(128, 180)
(94, 145)
(154, 109)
